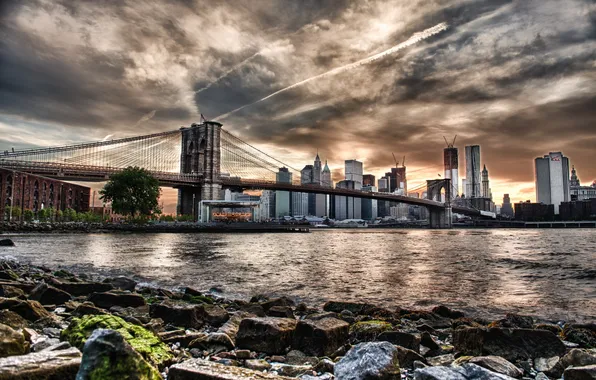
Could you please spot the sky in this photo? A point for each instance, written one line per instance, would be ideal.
(516, 77)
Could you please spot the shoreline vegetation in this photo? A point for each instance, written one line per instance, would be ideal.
(55, 322)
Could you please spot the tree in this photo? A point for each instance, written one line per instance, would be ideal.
(132, 191)
(28, 215)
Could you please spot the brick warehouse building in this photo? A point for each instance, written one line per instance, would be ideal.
(30, 192)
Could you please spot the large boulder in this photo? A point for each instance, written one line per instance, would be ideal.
(408, 357)
(584, 335)
(320, 337)
(230, 328)
(368, 331)
(11, 342)
(106, 355)
(196, 369)
(578, 358)
(113, 298)
(466, 371)
(179, 314)
(80, 288)
(407, 340)
(580, 373)
(60, 364)
(511, 344)
(375, 360)
(353, 307)
(49, 295)
(28, 309)
(497, 364)
(266, 334)
(6, 243)
(142, 340)
(122, 283)
(12, 319)
(215, 315)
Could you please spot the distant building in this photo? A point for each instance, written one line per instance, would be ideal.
(450, 162)
(383, 185)
(347, 207)
(267, 209)
(534, 212)
(578, 192)
(464, 186)
(486, 191)
(397, 179)
(368, 180)
(506, 208)
(578, 210)
(369, 206)
(354, 171)
(32, 192)
(473, 186)
(326, 176)
(282, 198)
(552, 179)
(317, 170)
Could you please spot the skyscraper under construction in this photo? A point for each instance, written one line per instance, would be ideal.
(450, 160)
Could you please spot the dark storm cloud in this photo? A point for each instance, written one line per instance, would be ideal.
(504, 73)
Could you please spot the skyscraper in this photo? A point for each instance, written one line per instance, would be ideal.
(326, 176)
(450, 161)
(486, 192)
(354, 171)
(368, 180)
(506, 208)
(282, 198)
(316, 171)
(473, 171)
(552, 179)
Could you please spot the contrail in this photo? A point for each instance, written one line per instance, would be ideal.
(148, 116)
(416, 37)
(222, 76)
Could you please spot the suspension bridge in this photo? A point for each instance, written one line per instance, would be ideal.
(200, 161)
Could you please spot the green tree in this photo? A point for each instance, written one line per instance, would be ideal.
(133, 191)
(28, 215)
(70, 215)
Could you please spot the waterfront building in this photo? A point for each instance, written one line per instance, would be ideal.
(552, 179)
(450, 162)
(400, 211)
(267, 208)
(347, 207)
(32, 192)
(368, 180)
(299, 204)
(534, 212)
(486, 191)
(473, 189)
(506, 209)
(369, 206)
(282, 198)
(578, 192)
(578, 209)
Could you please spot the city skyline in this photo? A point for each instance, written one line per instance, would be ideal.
(75, 72)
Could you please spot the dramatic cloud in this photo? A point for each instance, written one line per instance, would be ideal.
(516, 77)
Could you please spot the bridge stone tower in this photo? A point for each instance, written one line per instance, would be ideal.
(439, 217)
(200, 154)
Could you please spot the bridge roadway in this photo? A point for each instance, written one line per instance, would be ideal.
(88, 173)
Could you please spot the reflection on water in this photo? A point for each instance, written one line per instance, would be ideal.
(549, 273)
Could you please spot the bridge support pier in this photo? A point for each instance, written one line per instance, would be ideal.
(200, 153)
(440, 218)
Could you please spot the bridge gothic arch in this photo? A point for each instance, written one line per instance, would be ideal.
(439, 218)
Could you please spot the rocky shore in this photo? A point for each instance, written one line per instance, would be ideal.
(58, 325)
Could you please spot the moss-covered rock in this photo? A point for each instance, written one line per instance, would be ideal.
(11, 342)
(368, 331)
(106, 355)
(142, 340)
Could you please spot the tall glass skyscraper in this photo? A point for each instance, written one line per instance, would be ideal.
(473, 186)
(552, 179)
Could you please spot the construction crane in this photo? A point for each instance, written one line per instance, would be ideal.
(404, 162)
(452, 143)
(396, 161)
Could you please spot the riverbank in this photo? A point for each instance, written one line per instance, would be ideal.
(183, 332)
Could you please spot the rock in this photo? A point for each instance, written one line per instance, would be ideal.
(143, 341)
(12, 319)
(108, 299)
(577, 358)
(280, 312)
(580, 334)
(180, 336)
(353, 307)
(550, 366)
(216, 316)
(555, 329)
(28, 309)
(283, 301)
(371, 360)
(9, 291)
(87, 308)
(269, 335)
(324, 365)
(8, 274)
(441, 360)
(230, 328)
(368, 331)
(11, 342)
(446, 312)
(213, 342)
(57, 347)
(291, 370)
(81, 288)
(49, 295)
(6, 243)
(257, 365)
(466, 371)
(497, 364)
(254, 308)
(62, 364)
(196, 369)
(541, 376)
(511, 344)
(327, 314)
(408, 358)
(320, 337)
(179, 314)
(580, 373)
(122, 283)
(514, 321)
(403, 339)
(297, 357)
(427, 341)
(106, 355)
(44, 343)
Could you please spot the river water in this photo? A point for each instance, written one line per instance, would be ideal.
(546, 273)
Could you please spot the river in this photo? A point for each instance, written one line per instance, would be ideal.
(547, 273)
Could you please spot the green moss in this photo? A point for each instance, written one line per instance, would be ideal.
(142, 340)
(63, 274)
(117, 368)
(198, 299)
(368, 330)
(151, 300)
(11, 274)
